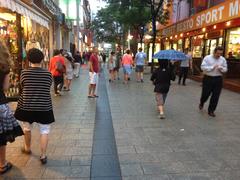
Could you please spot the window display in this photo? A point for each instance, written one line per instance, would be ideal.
(180, 45)
(8, 33)
(197, 44)
(233, 44)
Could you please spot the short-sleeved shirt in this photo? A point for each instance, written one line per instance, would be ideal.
(52, 65)
(94, 60)
(186, 63)
(140, 58)
(127, 59)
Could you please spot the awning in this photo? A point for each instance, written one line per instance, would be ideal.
(25, 10)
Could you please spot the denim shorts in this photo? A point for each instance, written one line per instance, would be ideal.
(127, 69)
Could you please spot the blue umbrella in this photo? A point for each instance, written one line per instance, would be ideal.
(170, 55)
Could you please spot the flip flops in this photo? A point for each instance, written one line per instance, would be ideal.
(6, 168)
(43, 160)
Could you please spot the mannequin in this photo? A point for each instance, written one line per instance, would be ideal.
(32, 43)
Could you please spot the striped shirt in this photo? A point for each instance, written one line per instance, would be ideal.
(35, 84)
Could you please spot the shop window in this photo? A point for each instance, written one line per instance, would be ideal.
(180, 45)
(167, 45)
(8, 33)
(233, 44)
(197, 44)
(187, 43)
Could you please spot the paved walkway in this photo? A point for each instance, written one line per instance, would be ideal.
(187, 145)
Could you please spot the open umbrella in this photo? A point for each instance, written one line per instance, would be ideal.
(171, 55)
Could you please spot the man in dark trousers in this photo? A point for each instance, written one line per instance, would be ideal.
(213, 67)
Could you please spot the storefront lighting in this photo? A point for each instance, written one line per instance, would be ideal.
(187, 33)
(203, 29)
(195, 37)
(166, 39)
(181, 35)
(214, 27)
(116, 45)
(176, 36)
(171, 37)
(228, 23)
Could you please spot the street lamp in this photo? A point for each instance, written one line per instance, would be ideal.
(128, 39)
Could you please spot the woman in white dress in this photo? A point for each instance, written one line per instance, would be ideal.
(111, 66)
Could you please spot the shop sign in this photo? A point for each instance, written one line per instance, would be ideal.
(223, 12)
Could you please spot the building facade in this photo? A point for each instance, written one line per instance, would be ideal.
(28, 24)
(209, 23)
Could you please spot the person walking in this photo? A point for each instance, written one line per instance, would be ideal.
(111, 66)
(118, 63)
(140, 62)
(161, 78)
(9, 127)
(127, 63)
(35, 103)
(93, 73)
(213, 66)
(184, 68)
(69, 63)
(77, 63)
(57, 68)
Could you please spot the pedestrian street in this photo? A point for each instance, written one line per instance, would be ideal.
(119, 135)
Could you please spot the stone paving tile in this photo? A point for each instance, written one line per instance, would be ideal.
(147, 177)
(131, 170)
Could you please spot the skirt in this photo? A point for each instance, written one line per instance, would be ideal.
(42, 117)
(9, 127)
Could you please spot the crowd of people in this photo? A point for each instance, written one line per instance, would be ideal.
(35, 102)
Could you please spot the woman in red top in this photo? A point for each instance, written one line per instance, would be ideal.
(57, 68)
(127, 63)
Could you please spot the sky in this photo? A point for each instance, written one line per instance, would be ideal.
(95, 5)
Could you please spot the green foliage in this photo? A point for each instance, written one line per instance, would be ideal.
(112, 22)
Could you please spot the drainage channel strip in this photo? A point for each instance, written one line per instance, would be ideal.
(105, 163)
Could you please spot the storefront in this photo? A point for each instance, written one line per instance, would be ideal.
(22, 28)
(217, 26)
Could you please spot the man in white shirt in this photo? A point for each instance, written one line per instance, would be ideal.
(213, 67)
(184, 67)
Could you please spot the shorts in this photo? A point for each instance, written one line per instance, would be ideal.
(127, 69)
(69, 75)
(139, 68)
(93, 78)
(160, 98)
(44, 128)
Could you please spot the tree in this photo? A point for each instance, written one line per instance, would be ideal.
(160, 13)
(118, 17)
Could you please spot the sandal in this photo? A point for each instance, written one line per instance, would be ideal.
(90, 96)
(43, 160)
(24, 151)
(95, 96)
(6, 168)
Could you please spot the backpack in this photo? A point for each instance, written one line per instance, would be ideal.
(59, 67)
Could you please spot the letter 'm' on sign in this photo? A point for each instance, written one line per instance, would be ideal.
(233, 8)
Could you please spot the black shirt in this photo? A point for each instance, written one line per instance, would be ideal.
(162, 79)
